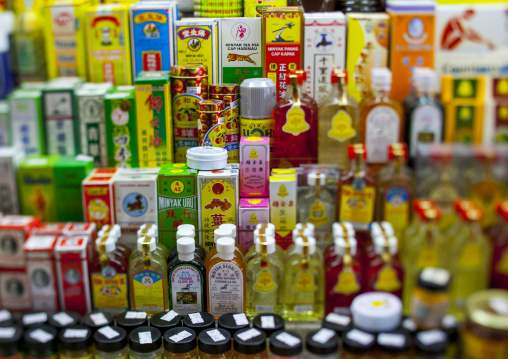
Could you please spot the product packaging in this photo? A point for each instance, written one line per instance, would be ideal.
(254, 166)
(252, 211)
(499, 128)
(26, 120)
(254, 8)
(98, 198)
(283, 208)
(10, 159)
(5, 124)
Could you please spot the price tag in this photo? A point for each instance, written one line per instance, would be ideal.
(338, 319)
(180, 336)
(5, 315)
(196, 318)
(169, 316)
(241, 319)
(135, 315)
(360, 337)
(323, 336)
(249, 334)
(267, 322)
(431, 337)
(63, 318)
(75, 333)
(108, 332)
(145, 338)
(216, 335)
(7, 332)
(288, 339)
(98, 319)
(41, 336)
(29, 319)
(391, 340)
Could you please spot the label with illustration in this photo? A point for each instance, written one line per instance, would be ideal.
(59, 124)
(341, 127)
(185, 121)
(428, 257)
(15, 287)
(357, 204)
(387, 280)
(252, 211)
(109, 290)
(98, 202)
(43, 285)
(382, 129)
(347, 283)
(295, 121)
(92, 124)
(148, 292)
(65, 42)
(254, 8)
(265, 282)
(187, 291)
(11, 248)
(258, 128)
(396, 208)
(255, 166)
(225, 283)
(304, 283)
(318, 215)
(426, 126)
(471, 256)
(76, 293)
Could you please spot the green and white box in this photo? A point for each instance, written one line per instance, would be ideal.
(5, 125)
(10, 158)
(26, 120)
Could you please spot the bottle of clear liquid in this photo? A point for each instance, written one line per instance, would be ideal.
(338, 123)
(260, 238)
(305, 233)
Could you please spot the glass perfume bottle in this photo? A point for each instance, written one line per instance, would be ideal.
(295, 126)
(338, 123)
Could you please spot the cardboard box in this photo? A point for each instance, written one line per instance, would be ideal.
(15, 292)
(5, 124)
(92, 121)
(500, 107)
(14, 230)
(26, 120)
(42, 273)
(218, 202)
(108, 44)
(152, 35)
(367, 47)
(254, 166)
(98, 199)
(49, 229)
(10, 159)
(252, 211)
(254, 8)
(71, 258)
(282, 44)
(241, 49)
(154, 121)
(325, 50)
(283, 208)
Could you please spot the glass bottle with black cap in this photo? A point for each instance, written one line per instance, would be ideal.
(233, 322)
(199, 321)
(11, 341)
(41, 342)
(63, 320)
(76, 342)
(6, 318)
(33, 320)
(250, 343)
(145, 343)
(431, 344)
(357, 344)
(131, 320)
(214, 344)
(98, 320)
(322, 344)
(166, 320)
(286, 344)
(394, 345)
(111, 343)
(180, 343)
(268, 323)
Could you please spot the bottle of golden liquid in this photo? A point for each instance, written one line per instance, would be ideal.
(338, 123)
(381, 119)
(416, 224)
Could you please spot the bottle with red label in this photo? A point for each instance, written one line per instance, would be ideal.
(295, 129)
(498, 235)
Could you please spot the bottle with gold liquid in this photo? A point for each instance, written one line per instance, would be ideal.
(338, 123)
(414, 228)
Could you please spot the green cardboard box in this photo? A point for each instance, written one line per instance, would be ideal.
(26, 119)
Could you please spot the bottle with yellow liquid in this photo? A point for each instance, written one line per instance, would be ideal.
(459, 227)
(413, 229)
(304, 284)
(471, 256)
(260, 236)
(338, 123)
(304, 232)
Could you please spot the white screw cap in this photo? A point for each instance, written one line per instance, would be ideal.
(141, 240)
(230, 227)
(380, 244)
(269, 243)
(185, 245)
(306, 225)
(225, 246)
(312, 179)
(341, 244)
(300, 243)
(181, 233)
(338, 229)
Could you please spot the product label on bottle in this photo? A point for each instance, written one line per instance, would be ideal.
(295, 121)
(382, 129)
(426, 127)
(110, 291)
(341, 127)
(428, 257)
(387, 280)
(357, 204)
(304, 283)
(186, 293)
(225, 283)
(318, 214)
(471, 256)
(347, 283)
(148, 291)
(264, 282)
(396, 207)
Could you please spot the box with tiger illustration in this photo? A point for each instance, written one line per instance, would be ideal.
(241, 49)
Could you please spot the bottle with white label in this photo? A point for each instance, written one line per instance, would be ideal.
(63, 320)
(131, 320)
(98, 320)
(233, 322)
(165, 321)
(199, 321)
(268, 323)
(225, 277)
(381, 118)
(187, 279)
(250, 343)
(41, 342)
(145, 343)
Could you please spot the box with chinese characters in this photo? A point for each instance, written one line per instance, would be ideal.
(98, 198)
(251, 212)
(283, 208)
(255, 166)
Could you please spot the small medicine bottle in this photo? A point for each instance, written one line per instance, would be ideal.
(394, 345)
(34, 320)
(41, 342)
(250, 343)
(233, 322)
(6, 318)
(131, 320)
(215, 344)
(268, 323)
(76, 342)
(199, 321)
(339, 323)
(63, 320)
(11, 342)
(180, 343)
(145, 343)
(286, 344)
(98, 320)
(431, 344)
(111, 343)
(322, 344)
(357, 344)
(165, 321)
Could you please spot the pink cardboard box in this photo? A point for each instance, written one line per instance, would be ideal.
(254, 166)
(252, 211)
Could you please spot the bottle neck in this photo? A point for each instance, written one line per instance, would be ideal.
(431, 231)
(424, 92)
(186, 256)
(358, 165)
(340, 91)
(475, 230)
(381, 92)
(294, 90)
(398, 163)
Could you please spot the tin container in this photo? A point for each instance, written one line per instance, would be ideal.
(211, 127)
(283, 191)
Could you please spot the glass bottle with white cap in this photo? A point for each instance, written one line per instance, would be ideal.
(304, 283)
(160, 248)
(264, 280)
(304, 230)
(339, 229)
(151, 230)
(260, 235)
(376, 229)
(224, 233)
(186, 231)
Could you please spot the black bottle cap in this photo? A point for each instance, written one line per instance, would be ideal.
(249, 341)
(409, 326)
(98, 320)
(395, 342)
(208, 321)
(233, 322)
(434, 279)
(431, 342)
(163, 325)
(77, 337)
(358, 341)
(450, 325)
(6, 318)
(64, 320)
(11, 340)
(34, 320)
(322, 342)
(214, 341)
(135, 340)
(285, 343)
(338, 323)
(131, 320)
(180, 340)
(270, 324)
(106, 340)
(41, 339)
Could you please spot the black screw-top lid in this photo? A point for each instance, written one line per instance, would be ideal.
(208, 322)
(163, 325)
(220, 345)
(409, 326)
(322, 342)
(77, 337)
(41, 339)
(34, 320)
(180, 340)
(137, 346)
(395, 342)
(450, 325)
(131, 320)
(434, 279)
(106, 341)
(431, 342)
(249, 341)
(260, 323)
(6, 318)
(98, 320)
(358, 341)
(64, 320)
(338, 323)
(233, 322)
(285, 343)
(11, 340)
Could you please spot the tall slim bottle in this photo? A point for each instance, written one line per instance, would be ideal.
(338, 123)
(295, 129)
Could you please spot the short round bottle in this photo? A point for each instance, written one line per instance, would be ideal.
(180, 343)
(199, 321)
(357, 344)
(111, 343)
(286, 344)
(11, 341)
(431, 344)
(98, 320)
(215, 344)
(250, 343)
(322, 344)
(76, 342)
(131, 320)
(63, 320)
(338, 322)
(165, 321)
(233, 322)
(145, 343)
(34, 320)
(269, 323)
(6, 318)
(394, 345)
(41, 342)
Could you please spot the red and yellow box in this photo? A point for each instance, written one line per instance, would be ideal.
(98, 198)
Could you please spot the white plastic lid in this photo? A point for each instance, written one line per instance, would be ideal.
(270, 226)
(258, 97)
(269, 243)
(148, 225)
(207, 158)
(187, 227)
(8, 21)
(267, 231)
(225, 245)
(110, 244)
(300, 243)
(99, 239)
(230, 227)
(338, 230)
(141, 240)
(424, 79)
(182, 233)
(341, 244)
(376, 311)
(376, 230)
(152, 232)
(306, 225)
(305, 232)
(381, 78)
(312, 178)
(380, 243)
(221, 233)
(185, 245)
